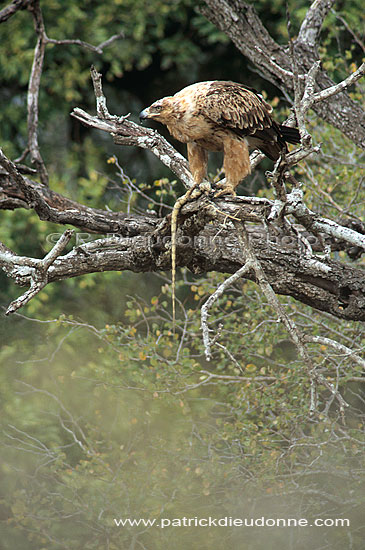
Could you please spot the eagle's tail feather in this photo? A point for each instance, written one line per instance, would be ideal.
(272, 150)
(291, 135)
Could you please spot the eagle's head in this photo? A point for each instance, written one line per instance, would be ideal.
(163, 110)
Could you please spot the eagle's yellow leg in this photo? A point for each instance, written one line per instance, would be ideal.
(236, 164)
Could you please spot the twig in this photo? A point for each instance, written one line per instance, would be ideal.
(340, 348)
(317, 224)
(252, 379)
(347, 26)
(33, 92)
(36, 271)
(98, 49)
(212, 299)
(110, 40)
(77, 42)
(336, 88)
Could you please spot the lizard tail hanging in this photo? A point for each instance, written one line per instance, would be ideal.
(175, 213)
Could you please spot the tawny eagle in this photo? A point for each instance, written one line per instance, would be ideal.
(222, 116)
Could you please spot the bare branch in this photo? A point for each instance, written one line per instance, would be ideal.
(312, 24)
(56, 250)
(333, 90)
(97, 49)
(212, 299)
(52, 206)
(126, 132)
(33, 92)
(340, 291)
(317, 224)
(77, 42)
(56, 208)
(101, 107)
(340, 348)
(270, 294)
(34, 270)
(110, 40)
(12, 8)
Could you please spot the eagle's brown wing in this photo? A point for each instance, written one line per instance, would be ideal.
(235, 106)
(245, 113)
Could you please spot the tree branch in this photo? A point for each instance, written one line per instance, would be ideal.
(12, 8)
(211, 301)
(97, 49)
(340, 348)
(36, 271)
(33, 92)
(239, 21)
(312, 23)
(336, 88)
(53, 207)
(126, 132)
(317, 224)
(340, 291)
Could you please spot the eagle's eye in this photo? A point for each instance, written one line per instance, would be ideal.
(158, 108)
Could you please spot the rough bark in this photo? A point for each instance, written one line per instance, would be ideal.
(12, 8)
(324, 284)
(53, 207)
(239, 21)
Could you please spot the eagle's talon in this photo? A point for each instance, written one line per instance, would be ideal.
(227, 190)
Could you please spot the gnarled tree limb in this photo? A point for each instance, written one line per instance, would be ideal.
(239, 21)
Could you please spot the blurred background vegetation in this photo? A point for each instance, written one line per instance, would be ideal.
(100, 414)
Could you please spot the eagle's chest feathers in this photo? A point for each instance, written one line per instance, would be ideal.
(188, 125)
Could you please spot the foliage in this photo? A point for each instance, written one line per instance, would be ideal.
(105, 426)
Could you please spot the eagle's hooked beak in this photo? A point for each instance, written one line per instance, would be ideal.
(143, 115)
